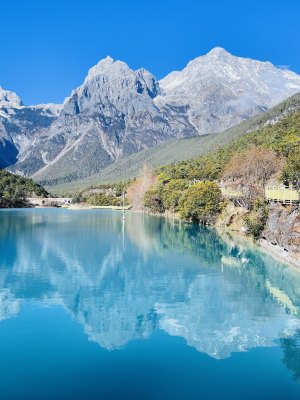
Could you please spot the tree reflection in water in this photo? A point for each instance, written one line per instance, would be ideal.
(218, 293)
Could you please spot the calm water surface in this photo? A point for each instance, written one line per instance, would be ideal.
(94, 309)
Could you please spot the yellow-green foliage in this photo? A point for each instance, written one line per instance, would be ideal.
(207, 167)
(153, 199)
(198, 202)
(202, 202)
(166, 194)
(101, 199)
(104, 199)
(173, 192)
(256, 219)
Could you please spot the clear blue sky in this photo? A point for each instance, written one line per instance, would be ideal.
(47, 46)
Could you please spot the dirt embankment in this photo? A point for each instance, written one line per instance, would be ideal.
(232, 219)
(281, 235)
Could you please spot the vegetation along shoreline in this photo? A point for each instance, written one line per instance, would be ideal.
(249, 185)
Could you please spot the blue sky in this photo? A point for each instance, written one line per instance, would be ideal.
(48, 46)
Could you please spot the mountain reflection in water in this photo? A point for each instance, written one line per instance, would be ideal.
(124, 282)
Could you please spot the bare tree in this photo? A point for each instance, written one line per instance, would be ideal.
(139, 187)
(250, 170)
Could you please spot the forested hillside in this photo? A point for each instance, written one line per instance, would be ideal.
(180, 150)
(283, 138)
(245, 166)
(14, 189)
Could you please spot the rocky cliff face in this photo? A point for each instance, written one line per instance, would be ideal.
(282, 231)
(111, 115)
(281, 235)
(118, 111)
(20, 126)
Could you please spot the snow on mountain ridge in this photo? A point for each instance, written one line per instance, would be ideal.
(221, 90)
(53, 108)
(9, 99)
(113, 82)
(20, 124)
(110, 115)
(118, 111)
(105, 63)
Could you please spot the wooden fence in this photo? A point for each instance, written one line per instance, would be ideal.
(273, 194)
(279, 194)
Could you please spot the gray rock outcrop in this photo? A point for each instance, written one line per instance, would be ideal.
(118, 111)
(282, 231)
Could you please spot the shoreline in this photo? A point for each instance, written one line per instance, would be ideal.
(279, 252)
(70, 207)
(90, 207)
(276, 252)
(263, 245)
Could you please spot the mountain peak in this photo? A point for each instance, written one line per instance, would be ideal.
(9, 99)
(218, 53)
(102, 65)
(107, 60)
(118, 111)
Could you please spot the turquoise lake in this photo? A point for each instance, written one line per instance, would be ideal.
(94, 308)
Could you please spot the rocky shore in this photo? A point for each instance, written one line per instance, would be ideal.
(282, 232)
(281, 235)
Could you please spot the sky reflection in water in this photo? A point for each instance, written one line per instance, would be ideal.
(181, 287)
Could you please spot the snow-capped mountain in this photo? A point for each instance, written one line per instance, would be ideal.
(118, 111)
(112, 114)
(220, 90)
(20, 124)
(9, 99)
